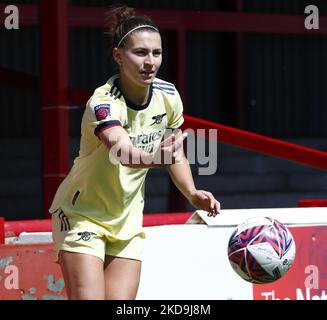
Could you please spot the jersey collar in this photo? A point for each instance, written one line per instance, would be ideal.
(130, 104)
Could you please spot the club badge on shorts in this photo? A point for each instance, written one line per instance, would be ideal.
(102, 111)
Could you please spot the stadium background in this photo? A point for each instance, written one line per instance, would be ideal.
(266, 82)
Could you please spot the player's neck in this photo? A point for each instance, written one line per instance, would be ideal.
(135, 94)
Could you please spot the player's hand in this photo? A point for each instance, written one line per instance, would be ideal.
(171, 149)
(204, 200)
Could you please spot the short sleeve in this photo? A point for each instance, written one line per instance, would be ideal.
(103, 114)
(176, 118)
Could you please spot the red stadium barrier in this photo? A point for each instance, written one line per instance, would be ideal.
(14, 228)
(2, 230)
(260, 143)
(155, 219)
(312, 203)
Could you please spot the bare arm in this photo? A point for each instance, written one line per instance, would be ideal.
(121, 148)
(181, 175)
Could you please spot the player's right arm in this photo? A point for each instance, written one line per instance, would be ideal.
(121, 148)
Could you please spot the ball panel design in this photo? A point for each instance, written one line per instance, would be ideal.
(261, 250)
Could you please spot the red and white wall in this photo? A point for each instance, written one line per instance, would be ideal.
(185, 261)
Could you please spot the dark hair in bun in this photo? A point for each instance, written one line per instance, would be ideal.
(121, 21)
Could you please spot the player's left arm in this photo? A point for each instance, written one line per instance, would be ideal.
(181, 175)
(180, 172)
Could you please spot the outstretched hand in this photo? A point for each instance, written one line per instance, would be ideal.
(204, 200)
(171, 149)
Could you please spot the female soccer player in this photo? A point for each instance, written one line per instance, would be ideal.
(97, 210)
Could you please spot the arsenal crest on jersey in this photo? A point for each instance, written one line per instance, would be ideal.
(102, 111)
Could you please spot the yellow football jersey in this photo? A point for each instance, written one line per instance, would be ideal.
(106, 192)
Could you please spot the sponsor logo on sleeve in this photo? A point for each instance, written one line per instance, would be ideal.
(102, 111)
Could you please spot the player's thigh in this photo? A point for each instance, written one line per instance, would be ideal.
(83, 275)
(122, 278)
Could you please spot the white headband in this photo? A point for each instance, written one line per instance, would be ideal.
(139, 27)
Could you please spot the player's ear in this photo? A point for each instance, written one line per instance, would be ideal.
(116, 55)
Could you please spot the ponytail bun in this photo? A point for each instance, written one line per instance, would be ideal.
(123, 13)
(120, 21)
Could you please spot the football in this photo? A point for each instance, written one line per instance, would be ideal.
(261, 250)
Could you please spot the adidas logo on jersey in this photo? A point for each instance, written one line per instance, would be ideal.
(64, 222)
